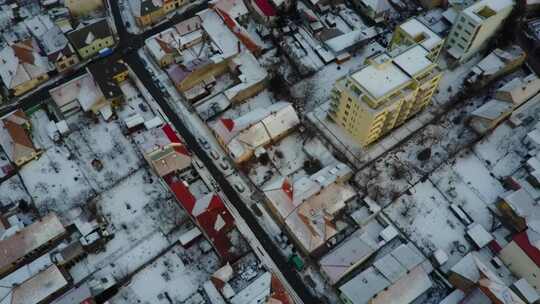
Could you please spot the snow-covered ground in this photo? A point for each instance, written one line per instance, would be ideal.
(105, 142)
(55, 181)
(141, 212)
(425, 217)
(176, 276)
(12, 191)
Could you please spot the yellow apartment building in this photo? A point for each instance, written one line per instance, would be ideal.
(413, 32)
(382, 95)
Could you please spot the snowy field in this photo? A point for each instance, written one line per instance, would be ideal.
(140, 211)
(425, 217)
(105, 142)
(177, 275)
(12, 191)
(56, 182)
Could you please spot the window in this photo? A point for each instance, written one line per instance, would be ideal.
(459, 27)
(460, 46)
(464, 40)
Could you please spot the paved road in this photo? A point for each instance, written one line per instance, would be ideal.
(127, 49)
(128, 43)
(137, 65)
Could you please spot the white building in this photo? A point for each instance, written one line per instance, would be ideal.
(475, 25)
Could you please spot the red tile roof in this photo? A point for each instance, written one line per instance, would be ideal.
(240, 32)
(210, 214)
(181, 192)
(171, 134)
(173, 137)
(266, 8)
(228, 123)
(522, 240)
(216, 221)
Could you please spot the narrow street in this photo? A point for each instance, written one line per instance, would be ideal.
(126, 49)
(136, 63)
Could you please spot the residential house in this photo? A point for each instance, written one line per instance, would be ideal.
(164, 47)
(525, 291)
(209, 57)
(376, 10)
(209, 213)
(413, 31)
(22, 68)
(522, 256)
(399, 277)
(165, 152)
(264, 11)
(491, 292)
(79, 93)
(508, 98)
(517, 208)
(90, 39)
(251, 75)
(108, 75)
(247, 135)
(308, 207)
(475, 25)
(18, 143)
(42, 287)
(494, 65)
(466, 274)
(149, 12)
(81, 8)
(29, 241)
(382, 95)
(350, 254)
(236, 9)
(53, 42)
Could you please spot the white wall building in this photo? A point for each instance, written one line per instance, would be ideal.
(475, 25)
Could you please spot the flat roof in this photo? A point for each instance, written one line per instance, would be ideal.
(414, 28)
(414, 60)
(495, 5)
(379, 80)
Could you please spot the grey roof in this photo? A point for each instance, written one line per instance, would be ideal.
(364, 286)
(99, 29)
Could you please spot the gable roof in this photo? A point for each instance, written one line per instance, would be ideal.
(21, 62)
(210, 214)
(86, 34)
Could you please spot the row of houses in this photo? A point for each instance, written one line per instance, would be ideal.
(28, 63)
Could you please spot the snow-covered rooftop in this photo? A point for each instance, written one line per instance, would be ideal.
(251, 73)
(163, 43)
(22, 62)
(414, 60)
(398, 277)
(309, 205)
(82, 90)
(379, 80)
(244, 134)
(220, 34)
(347, 255)
(425, 36)
(32, 237)
(494, 5)
(40, 287)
